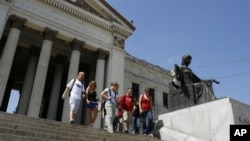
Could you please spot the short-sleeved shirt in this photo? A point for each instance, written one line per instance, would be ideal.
(77, 89)
(127, 102)
(113, 95)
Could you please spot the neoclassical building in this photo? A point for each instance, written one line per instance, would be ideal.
(44, 43)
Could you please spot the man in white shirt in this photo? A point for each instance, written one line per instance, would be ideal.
(76, 92)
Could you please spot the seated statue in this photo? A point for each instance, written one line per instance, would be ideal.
(190, 85)
(184, 74)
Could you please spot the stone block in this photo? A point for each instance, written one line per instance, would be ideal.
(209, 121)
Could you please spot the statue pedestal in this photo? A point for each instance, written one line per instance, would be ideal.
(205, 122)
(191, 94)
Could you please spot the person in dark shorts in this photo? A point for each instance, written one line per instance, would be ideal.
(91, 104)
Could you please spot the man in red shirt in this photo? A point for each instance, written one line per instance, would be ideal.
(127, 103)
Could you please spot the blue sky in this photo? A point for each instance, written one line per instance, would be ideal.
(216, 33)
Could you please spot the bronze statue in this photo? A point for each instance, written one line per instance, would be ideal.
(184, 74)
(187, 89)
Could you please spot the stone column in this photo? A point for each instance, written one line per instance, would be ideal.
(72, 74)
(7, 94)
(99, 78)
(4, 11)
(116, 66)
(23, 103)
(41, 73)
(9, 52)
(55, 92)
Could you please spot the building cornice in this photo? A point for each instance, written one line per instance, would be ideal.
(146, 64)
(118, 14)
(91, 18)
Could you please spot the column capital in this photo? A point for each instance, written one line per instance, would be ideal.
(49, 34)
(17, 22)
(77, 44)
(102, 54)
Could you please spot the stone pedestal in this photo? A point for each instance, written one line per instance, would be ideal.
(205, 122)
(190, 94)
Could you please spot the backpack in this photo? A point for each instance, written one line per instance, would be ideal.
(102, 107)
(72, 87)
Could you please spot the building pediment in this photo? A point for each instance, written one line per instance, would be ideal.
(97, 12)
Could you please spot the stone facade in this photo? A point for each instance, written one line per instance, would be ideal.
(144, 74)
(44, 43)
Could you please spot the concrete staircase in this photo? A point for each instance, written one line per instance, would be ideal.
(14, 127)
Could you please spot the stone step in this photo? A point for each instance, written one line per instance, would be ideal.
(64, 129)
(56, 134)
(46, 125)
(13, 126)
(10, 137)
(46, 136)
(39, 128)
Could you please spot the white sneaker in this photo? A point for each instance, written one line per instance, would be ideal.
(105, 128)
(151, 135)
(110, 131)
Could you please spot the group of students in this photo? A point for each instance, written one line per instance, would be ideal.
(126, 108)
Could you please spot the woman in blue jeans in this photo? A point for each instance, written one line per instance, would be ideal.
(147, 122)
(145, 106)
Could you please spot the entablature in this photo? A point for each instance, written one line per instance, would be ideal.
(90, 15)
